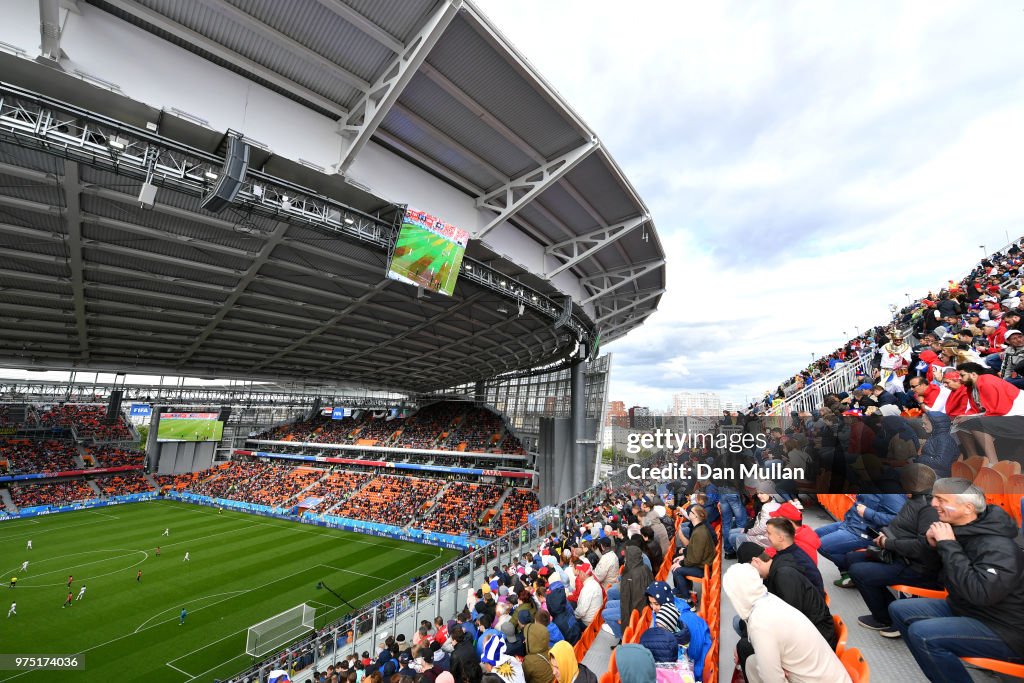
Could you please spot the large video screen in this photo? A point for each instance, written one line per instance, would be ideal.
(189, 427)
(428, 252)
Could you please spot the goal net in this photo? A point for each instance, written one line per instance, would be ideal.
(274, 633)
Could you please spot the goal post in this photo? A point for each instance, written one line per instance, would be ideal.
(279, 630)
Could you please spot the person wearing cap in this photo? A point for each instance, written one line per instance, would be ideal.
(805, 538)
(870, 512)
(784, 578)
(495, 660)
(1012, 368)
(565, 668)
(786, 645)
(589, 597)
(901, 554)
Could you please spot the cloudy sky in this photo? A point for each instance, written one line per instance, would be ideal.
(806, 164)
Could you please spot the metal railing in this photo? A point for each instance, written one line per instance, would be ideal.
(442, 593)
(837, 380)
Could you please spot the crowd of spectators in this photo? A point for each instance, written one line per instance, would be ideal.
(87, 421)
(477, 430)
(460, 509)
(428, 425)
(115, 456)
(336, 488)
(62, 492)
(25, 457)
(257, 482)
(965, 322)
(123, 484)
(390, 499)
(514, 512)
(181, 482)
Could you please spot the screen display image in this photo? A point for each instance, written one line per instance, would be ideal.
(189, 427)
(428, 252)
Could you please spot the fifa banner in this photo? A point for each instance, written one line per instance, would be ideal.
(428, 253)
(69, 473)
(331, 522)
(140, 410)
(514, 474)
(40, 510)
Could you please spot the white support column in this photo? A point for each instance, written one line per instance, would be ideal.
(579, 248)
(72, 202)
(518, 192)
(360, 123)
(49, 30)
(633, 300)
(612, 280)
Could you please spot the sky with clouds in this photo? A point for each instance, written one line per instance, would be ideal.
(806, 164)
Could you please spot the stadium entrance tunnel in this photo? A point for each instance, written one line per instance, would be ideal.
(83, 566)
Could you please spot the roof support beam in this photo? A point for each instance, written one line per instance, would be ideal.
(366, 115)
(49, 29)
(579, 248)
(427, 162)
(72, 201)
(247, 278)
(363, 24)
(639, 298)
(607, 332)
(323, 327)
(163, 235)
(207, 45)
(167, 209)
(480, 112)
(517, 193)
(450, 142)
(278, 38)
(612, 280)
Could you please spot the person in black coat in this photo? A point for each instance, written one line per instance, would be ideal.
(901, 554)
(465, 664)
(983, 570)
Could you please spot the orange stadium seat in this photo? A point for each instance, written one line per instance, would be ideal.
(856, 666)
(842, 632)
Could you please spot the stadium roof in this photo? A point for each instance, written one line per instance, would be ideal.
(88, 277)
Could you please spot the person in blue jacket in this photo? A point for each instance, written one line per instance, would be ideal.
(861, 525)
(940, 450)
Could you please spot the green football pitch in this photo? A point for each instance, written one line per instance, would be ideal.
(242, 570)
(190, 430)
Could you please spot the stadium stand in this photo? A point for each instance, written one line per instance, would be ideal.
(121, 484)
(87, 421)
(461, 508)
(114, 456)
(51, 493)
(25, 456)
(390, 500)
(336, 488)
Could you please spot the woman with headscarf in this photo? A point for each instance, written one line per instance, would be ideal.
(565, 667)
(635, 664)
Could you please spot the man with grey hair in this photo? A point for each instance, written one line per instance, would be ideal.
(983, 571)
